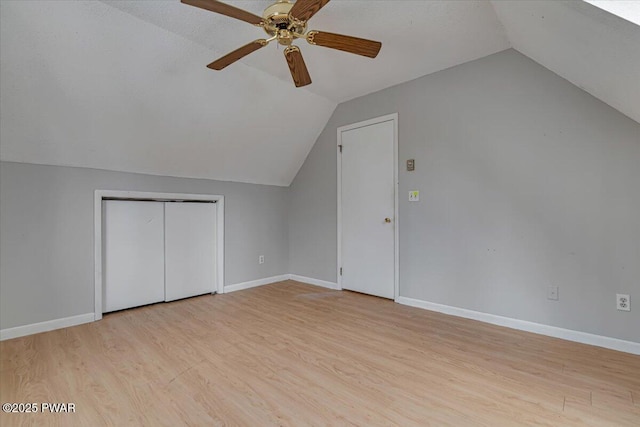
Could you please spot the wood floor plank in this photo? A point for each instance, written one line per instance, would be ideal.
(298, 355)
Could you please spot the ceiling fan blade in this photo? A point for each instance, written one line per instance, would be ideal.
(349, 44)
(303, 10)
(225, 9)
(297, 66)
(237, 54)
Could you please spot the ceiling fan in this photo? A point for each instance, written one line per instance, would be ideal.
(285, 22)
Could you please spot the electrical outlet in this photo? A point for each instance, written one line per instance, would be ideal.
(552, 293)
(623, 302)
(261, 259)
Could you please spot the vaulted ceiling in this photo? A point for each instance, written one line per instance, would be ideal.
(592, 48)
(122, 85)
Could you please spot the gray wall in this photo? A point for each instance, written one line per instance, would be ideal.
(46, 229)
(525, 181)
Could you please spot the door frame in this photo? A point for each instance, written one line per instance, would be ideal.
(396, 229)
(101, 195)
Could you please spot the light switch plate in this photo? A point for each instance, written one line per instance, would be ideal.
(414, 195)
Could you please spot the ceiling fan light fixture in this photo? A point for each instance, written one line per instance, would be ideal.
(285, 22)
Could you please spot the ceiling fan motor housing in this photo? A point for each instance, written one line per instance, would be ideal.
(277, 22)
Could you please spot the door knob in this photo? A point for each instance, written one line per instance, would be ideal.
(387, 220)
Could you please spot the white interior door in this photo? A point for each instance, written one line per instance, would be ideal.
(133, 254)
(190, 249)
(368, 209)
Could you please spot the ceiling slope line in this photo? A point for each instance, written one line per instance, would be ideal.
(590, 47)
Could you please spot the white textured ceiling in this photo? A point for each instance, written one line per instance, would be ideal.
(418, 38)
(84, 84)
(122, 85)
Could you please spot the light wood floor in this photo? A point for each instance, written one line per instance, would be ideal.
(293, 354)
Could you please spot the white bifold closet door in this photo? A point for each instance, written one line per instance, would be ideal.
(133, 254)
(157, 251)
(190, 249)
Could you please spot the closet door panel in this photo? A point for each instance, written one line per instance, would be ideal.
(133, 254)
(190, 249)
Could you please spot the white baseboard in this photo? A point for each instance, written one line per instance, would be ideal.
(317, 282)
(274, 279)
(523, 325)
(49, 325)
(255, 283)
